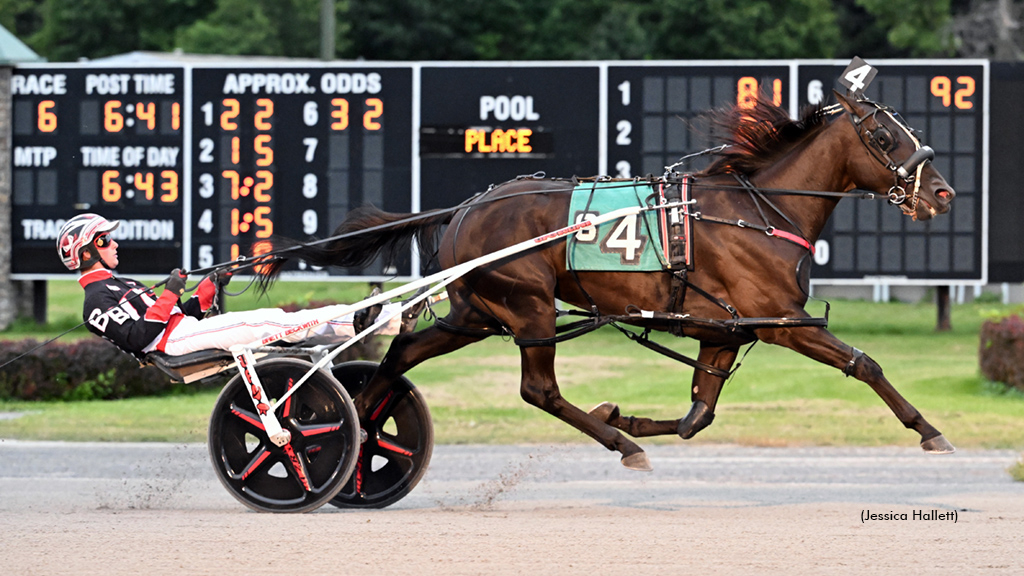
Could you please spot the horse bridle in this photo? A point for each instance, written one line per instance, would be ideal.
(880, 142)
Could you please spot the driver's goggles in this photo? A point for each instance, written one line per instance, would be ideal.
(102, 241)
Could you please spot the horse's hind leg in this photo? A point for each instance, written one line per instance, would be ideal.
(819, 344)
(408, 350)
(704, 394)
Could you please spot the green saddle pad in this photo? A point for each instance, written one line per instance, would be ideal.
(630, 244)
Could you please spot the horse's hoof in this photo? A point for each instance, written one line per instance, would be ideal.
(638, 462)
(699, 418)
(938, 445)
(605, 412)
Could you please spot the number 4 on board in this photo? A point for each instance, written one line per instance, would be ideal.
(858, 76)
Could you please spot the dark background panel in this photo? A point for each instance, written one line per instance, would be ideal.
(1006, 198)
(948, 247)
(342, 141)
(48, 191)
(563, 99)
(654, 111)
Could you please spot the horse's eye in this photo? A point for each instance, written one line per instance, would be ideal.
(882, 139)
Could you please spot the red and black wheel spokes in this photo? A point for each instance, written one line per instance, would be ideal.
(301, 474)
(398, 444)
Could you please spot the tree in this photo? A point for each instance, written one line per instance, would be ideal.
(261, 28)
(73, 29)
(989, 29)
(733, 29)
(923, 27)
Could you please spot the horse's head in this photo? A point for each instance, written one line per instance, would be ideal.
(893, 161)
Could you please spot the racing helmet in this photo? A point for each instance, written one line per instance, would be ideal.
(76, 238)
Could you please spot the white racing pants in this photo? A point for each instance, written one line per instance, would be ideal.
(226, 330)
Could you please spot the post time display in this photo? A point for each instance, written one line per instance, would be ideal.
(98, 140)
(945, 100)
(291, 151)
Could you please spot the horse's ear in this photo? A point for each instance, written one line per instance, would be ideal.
(846, 103)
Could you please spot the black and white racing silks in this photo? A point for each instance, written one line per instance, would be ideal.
(131, 316)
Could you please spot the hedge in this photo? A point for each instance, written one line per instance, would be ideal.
(91, 369)
(1002, 351)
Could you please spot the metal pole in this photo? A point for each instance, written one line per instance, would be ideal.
(39, 301)
(8, 305)
(942, 297)
(327, 29)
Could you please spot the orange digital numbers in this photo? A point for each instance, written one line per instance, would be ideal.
(942, 88)
(258, 249)
(375, 109)
(113, 120)
(340, 113)
(235, 150)
(242, 222)
(746, 92)
(263, 185)
(147, 113)
(169, 186)
(176, 116)
(261, 216)
(748, 89)
(263, 115)
(232, 175)
(47, 119)
(227, 117)
(261, 144)
(143, 182)
(241, 187)
(111, 189)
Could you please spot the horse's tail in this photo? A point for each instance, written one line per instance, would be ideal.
(368, 233)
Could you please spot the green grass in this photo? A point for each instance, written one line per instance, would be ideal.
(1017, 470)
(778, 398)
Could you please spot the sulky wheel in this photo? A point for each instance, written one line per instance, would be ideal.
(399, 441)
(305, 473)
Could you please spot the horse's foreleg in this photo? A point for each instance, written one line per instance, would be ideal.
(540, 389)
(704, 395)
(706, 388)
(819, 344)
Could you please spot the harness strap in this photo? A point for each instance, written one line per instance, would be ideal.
(464, 331)
(769, 230)
(797, 238)
(568, 332)
(644, 341)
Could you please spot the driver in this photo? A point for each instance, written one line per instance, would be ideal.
(131, 315)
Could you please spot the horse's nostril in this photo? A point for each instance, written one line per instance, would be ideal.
(945, 195)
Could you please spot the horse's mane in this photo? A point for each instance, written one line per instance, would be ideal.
(760, 135)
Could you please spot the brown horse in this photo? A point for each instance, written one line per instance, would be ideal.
(851, 145)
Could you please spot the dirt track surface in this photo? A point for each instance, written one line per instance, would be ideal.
(117, 509)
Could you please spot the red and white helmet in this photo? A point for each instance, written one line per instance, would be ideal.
(77, 235)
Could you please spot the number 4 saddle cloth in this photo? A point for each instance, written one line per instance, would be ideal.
(646, 242)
